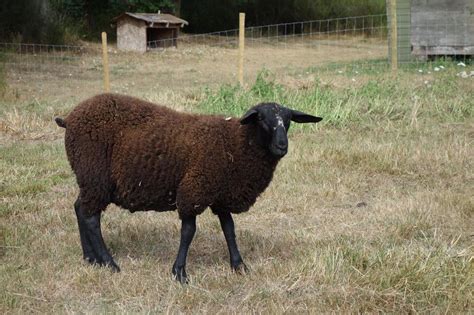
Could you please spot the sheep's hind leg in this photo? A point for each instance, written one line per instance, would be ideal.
(236, 262)
(91, 237)
(188, 229)
(87, 249)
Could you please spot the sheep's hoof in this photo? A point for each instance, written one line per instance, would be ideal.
(179, 275)
(240, 268)
(92, 260)
(113, 266)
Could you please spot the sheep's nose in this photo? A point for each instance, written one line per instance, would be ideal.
(280, 140)
(282, 145)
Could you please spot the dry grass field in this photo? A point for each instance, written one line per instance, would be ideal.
(370, 211)
(178, 70)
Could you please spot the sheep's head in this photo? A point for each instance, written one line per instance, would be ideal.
(273, 121)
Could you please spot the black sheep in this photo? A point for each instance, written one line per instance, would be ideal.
(141, 156)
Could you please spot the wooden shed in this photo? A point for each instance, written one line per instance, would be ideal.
(434, 28)
(142, 31)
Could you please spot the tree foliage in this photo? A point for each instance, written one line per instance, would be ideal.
(27, 20)
(57, 21)
(213, 15)
(95, 16)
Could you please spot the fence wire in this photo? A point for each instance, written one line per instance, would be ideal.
(211, 59)
(373, 26)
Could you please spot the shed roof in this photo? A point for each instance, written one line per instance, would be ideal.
(154, 18)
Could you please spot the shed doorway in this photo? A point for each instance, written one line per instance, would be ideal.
(160, 37)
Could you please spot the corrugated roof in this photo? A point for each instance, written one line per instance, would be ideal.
(154, 18)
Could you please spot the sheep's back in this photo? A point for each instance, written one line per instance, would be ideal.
(111, 113)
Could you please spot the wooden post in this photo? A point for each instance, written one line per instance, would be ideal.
(393, 35)
(105, 61)
(241, 47)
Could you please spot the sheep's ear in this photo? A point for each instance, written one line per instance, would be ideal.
(301, 117)
(250, 116)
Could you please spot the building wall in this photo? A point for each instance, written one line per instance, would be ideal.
(434, 27)
(131, 35)
(442, 27)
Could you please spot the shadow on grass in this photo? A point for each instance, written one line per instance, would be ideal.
(158, 240)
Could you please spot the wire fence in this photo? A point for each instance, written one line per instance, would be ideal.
(58, 61)
(211, 59)
(371, 26)
(267, 47)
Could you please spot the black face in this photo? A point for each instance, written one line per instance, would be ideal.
(273, 122)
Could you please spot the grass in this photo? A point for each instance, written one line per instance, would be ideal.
(371, 210)
(369, 103)
(180, 71)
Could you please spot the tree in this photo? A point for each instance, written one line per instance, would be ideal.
(50, 21)
(95, 15)
(29, 21)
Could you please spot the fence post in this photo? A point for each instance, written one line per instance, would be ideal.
(241, 47)
(393, 35)
(105, 61)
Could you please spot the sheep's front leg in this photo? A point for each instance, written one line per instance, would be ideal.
(188, 229)
(227, 224)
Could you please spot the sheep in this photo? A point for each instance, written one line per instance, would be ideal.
(142, 156)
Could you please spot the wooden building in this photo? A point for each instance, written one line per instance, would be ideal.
(142, 31)
(434, 28)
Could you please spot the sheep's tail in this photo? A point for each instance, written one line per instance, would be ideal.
(60, 122)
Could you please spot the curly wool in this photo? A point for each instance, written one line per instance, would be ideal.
(142, 156)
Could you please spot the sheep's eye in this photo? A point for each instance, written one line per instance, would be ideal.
(260, 118)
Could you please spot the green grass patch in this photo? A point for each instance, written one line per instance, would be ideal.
(381, 100)
(30, 169)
